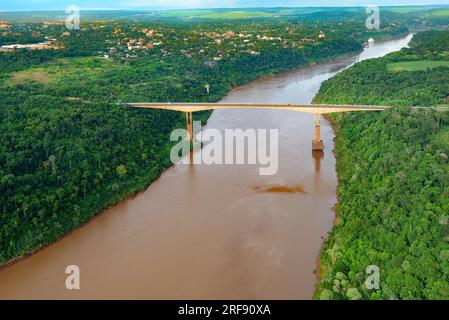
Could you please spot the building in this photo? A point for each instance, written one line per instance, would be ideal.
(34, 46)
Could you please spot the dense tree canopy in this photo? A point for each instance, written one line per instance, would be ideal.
(393, 169)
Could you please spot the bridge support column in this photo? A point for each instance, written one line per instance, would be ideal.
(189, 125)
(189, 128)
(317, 143)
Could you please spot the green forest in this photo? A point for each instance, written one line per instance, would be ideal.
(393, 170)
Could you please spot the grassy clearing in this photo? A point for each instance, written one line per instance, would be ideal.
(406, 9)
(416, 65)
(68, 77)
(185, 13)
(238, 15)
(69, 69)
(211, 14)
(37, 74)
(441, 13)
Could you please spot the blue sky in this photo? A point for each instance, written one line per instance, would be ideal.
(6, 5)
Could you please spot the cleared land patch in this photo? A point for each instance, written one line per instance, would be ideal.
(39, 75)
(441, 13)
(422, 65)
(238, 15)
(67, 70)
(211, 14)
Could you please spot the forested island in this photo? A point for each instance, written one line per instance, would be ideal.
(393, 169)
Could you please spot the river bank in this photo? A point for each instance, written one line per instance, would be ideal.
(392, 171)
(336, 129)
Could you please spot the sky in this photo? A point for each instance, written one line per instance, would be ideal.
(14, 5)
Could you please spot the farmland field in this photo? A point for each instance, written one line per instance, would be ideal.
(441, 13)
(238, 15)
(416, 65)
(217, 14)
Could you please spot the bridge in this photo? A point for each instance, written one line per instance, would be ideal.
(316, 109)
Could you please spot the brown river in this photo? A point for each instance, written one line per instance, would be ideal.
(211, 232)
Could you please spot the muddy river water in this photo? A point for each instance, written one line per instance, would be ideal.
(212, 232)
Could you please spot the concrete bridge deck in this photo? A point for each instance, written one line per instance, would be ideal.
(308, 108)
(316, 109)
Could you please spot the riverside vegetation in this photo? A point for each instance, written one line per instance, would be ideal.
(393, 169)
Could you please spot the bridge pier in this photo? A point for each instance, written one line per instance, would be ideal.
(189, 128)
(317, 143)
(189, 125)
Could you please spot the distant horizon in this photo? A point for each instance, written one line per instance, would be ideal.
(219, 8)
(163, 5)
